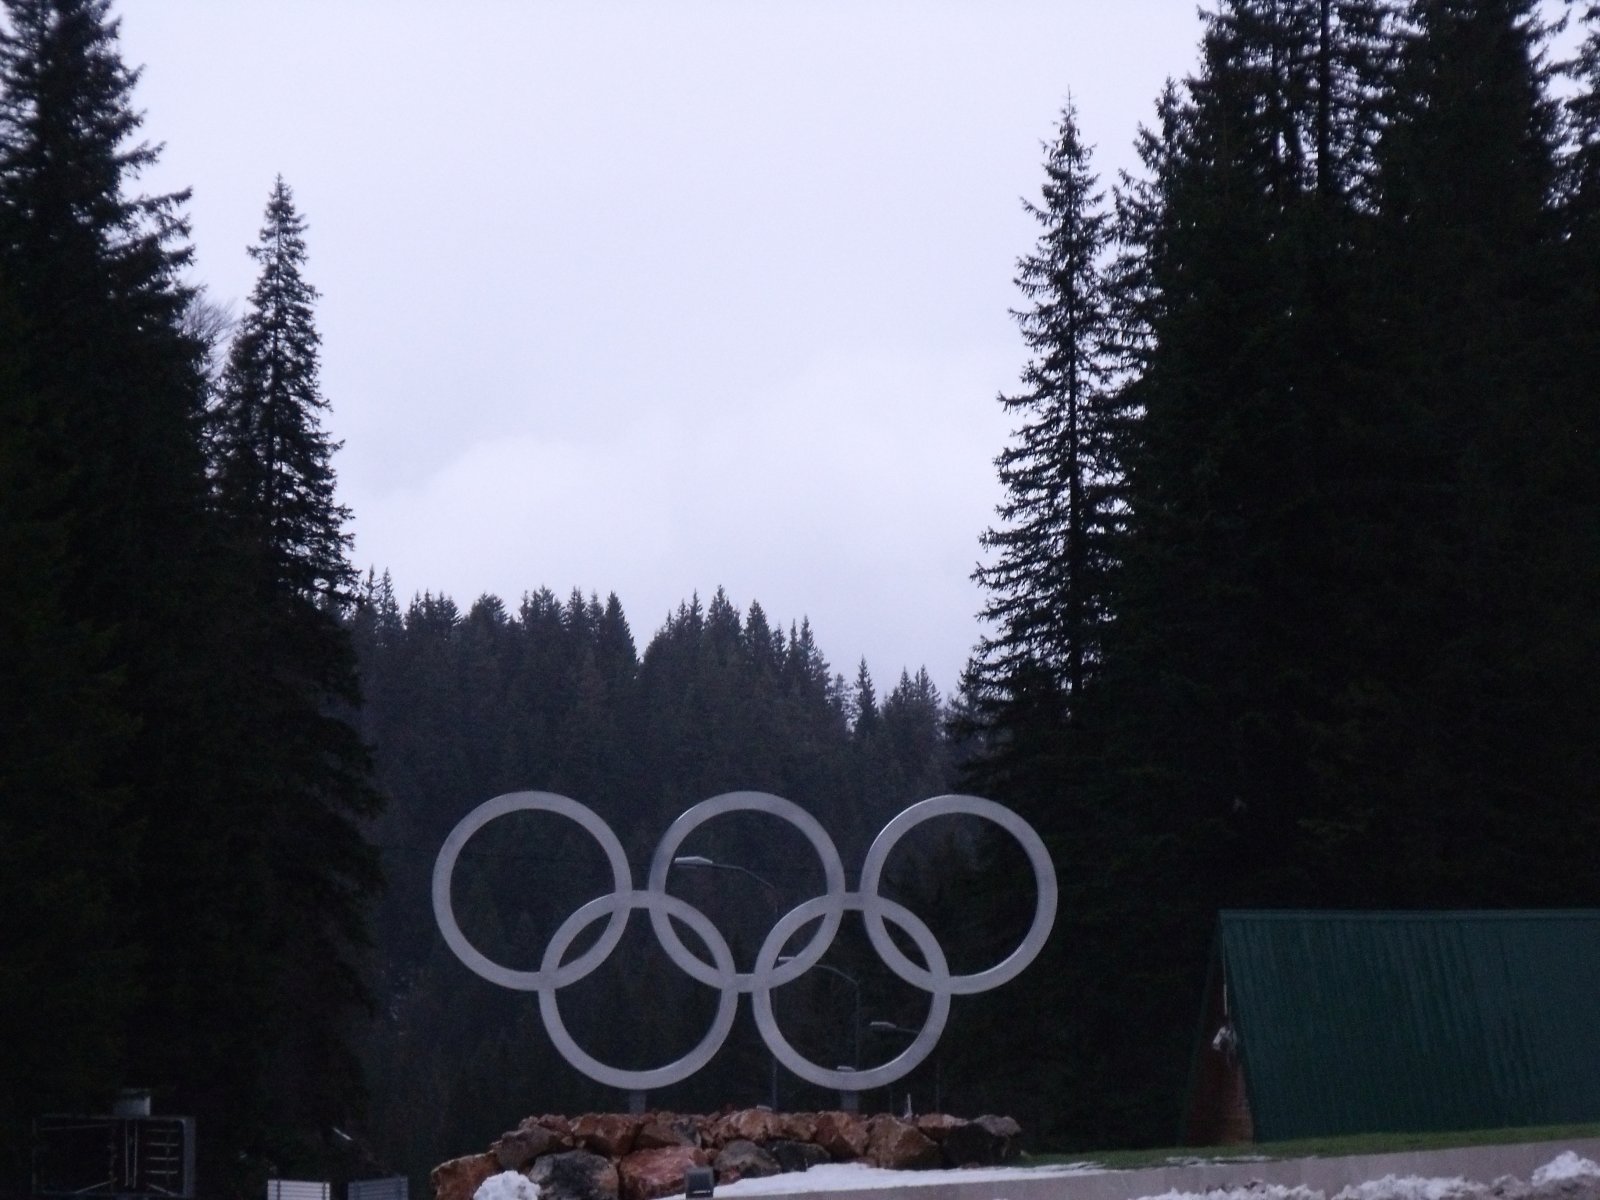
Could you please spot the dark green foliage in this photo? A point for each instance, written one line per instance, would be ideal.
(272, 459)
(103, 517)
(1050, 578)
(1347, 661)
(298, 770)
(182, 882)
(553, 697)
(64, 873)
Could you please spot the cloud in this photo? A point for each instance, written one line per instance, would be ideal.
(852, 495)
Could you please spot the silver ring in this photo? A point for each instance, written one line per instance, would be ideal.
(1044, 874)
(828, 909)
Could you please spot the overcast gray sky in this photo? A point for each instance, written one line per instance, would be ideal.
(652, 297)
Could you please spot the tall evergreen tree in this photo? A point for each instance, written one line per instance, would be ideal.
(273, 463)
(58, 887)
(304, 771)
(105, 501)
(1054, 548)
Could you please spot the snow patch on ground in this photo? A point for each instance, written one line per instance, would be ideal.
(838, 1177)
(831, 1177)
(1565, 1165)
(1254, 1191)
(1410, 1187)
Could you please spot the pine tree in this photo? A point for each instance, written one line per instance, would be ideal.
(58, 888)
(304, 782)
(1478, 661)
(274, 466)
(1054, 549)
(113, 556)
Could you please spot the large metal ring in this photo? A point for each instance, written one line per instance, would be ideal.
(1044, 875)
(827, 909)
(727, 1000)
(858, 1079)
(444, 911)
(785, 810)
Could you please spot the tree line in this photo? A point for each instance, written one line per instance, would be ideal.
(553, 696)
(1292, 587)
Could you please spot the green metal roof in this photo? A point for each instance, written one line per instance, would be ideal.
(1355, 1022)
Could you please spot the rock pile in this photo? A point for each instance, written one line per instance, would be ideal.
(611, 1156)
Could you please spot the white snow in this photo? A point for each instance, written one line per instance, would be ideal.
(850, 1176)
(508, 1185)
(1565, 1165)
(1254, 1191)
(833, 1177)
(1410, 1187)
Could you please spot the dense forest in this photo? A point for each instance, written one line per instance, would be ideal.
(1290, 602)
(1293, 589)
(465, 706)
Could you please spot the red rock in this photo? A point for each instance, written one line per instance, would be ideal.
(646, 1174)
(459, 1178)
(747, 1124)
(795, 1127)
(983, 1142)
(937, 1125)
(611, 1134)
(1006, 1133)
(664, 1131)
(575, 1175)
(518, 1147)
(558, 1125)
(899, 1146)
(797, 1156)
(743, 1159)
(843, 1135)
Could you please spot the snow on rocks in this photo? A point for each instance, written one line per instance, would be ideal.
(1412, 1187)
(1565, 1165)
(508, 1185)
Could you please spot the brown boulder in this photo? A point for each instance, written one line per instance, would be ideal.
(982, 1142)
(662, 1131)
(459, 1178)
(1007, 1135)
(743, 1159)
(795, 1127)
(559, 1125)
(748, 1124)
(937, 1125)
(518, 1147)
(647, 1174)
(897, 1145)
(575, 1175)
(797, 1156)
(611, 1134)
(843, 1135)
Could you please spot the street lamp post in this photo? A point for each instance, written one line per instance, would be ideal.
(702, 863)
(938, 1082)
(699, 862)
(849, 1101)
(855, 1019)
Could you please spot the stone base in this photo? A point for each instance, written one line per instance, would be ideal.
(617, 1156)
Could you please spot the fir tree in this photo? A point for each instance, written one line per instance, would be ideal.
(274, 466)
(1054, 549)
(305, 772)
(107, 536)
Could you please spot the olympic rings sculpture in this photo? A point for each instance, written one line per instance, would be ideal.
(876, 911)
